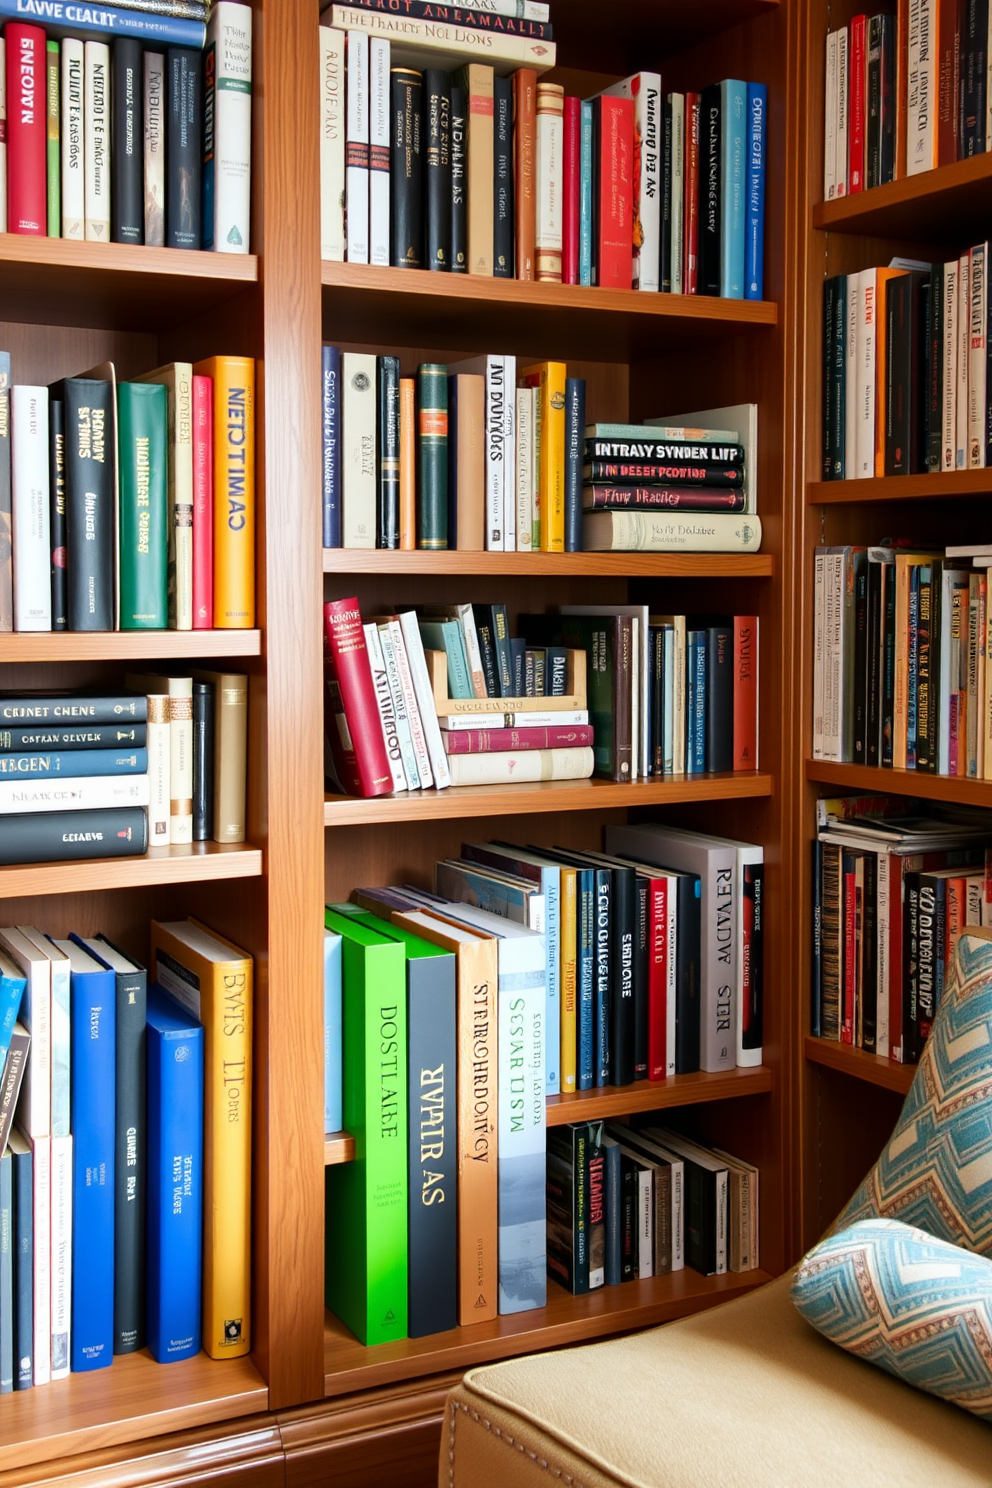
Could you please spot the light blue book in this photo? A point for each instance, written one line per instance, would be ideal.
(495, 889)
(446, 636)
(695, 702)
(585, 193)
(61, 1028)
(12, 985)
(174, 1276)
(43, 765)
(754, 246)
(103, 22)
(733, 144)
(6, 1273)
(332, 1032)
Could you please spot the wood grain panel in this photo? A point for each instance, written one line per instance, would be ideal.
(901, 782)
(238, 1454)
(128, 645)
(938, 486)
(874, 1068)
(951, 202)
(190, 863)
(565, 565)
(389, 1435)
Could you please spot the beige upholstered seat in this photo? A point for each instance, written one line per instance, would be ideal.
(746, 1394)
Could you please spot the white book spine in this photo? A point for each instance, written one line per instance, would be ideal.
(921, 105)
(678, 192)
(3, 137)
(41, 1148)
(536, 764)
(962, 410)
(61, 1160)
(525, 467)
(357, 151)
(457, 722)
(180, 760)
(358, 448)
(818, 562)
(403, 729)
(157, 739)
(678, 728)
(495, 461)
(977, 382)
(950, 365)
(30, 518)
(644, 88)
(425, 698)
(851, 379)
(830, 120)
(34, 1108)
(384, 700)
(510, 534)
(332, 131)
(843, 94)
(154, 148)
(379, 120)
(76, 793)
(645, 1224)
(548, 184)
(523, 10)
(229, 36)
(96, 139)
(412, 710)
(59, 1029)
(671, 969)
(521, 1041)
(867, 341)
(73, 141)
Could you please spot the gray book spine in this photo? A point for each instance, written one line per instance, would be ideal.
(6, 1274)
(433, 1159)
(23, 1186)
(522, 1153)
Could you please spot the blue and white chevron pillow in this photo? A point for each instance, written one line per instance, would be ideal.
(917, 1307)
(936, 1169)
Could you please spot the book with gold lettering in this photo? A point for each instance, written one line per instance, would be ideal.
(234, 489)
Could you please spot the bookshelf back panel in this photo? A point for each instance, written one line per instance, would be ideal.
(41, 354)
(849, 1122)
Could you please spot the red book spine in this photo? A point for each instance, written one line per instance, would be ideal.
(27, 199)
(570, 193)
(895, 866)
(658, 981)
(203, 503)
(680, 498)
(745, 692)
(503, 741)
(690, 230)
(615, 256)
(948, 82)
(358, 746)
(850, 959)
(856, 94)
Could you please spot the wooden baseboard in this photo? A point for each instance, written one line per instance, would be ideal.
(391, 1435)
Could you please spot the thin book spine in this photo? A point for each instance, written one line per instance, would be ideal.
(127, 194)
(437, 166)
(227, 128)
(332, 147)
(379, 151)
(503, 195)
(52, 101)
(56, 491)
(154, 139)
(459, 178)
(183, 137)
(524, 166)
(203, 503)
(388, 452)
(96, 135)
(549, 181)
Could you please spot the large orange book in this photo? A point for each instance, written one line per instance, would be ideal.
(549, 378)
(478, 1220)
(212, 978)
(234, 489)
(524, 168)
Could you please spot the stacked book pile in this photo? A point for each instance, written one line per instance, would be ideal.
(893, 892)
(905, 369)
(125, 1151)
(441, 149)
(129, 506)
(905, 93)
(127, 123)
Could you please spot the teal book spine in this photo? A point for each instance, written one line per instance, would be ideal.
(585, 193)
(733, 171)
(446, 636)
(142, 409)
(432, 456)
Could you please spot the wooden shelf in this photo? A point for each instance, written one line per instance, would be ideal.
(134, 1399)
(49, 281)
(412, 307)
(950, 204)
(564, 565)
(339, 1147)
(874, 1068)
(192, 863)
(127, 645)
(955, 484)
(350, 1365)
(541, 795)
(872, 778)
(666, 26)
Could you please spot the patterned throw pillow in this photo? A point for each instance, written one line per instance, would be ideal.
(936, 1169)
(917, 1307)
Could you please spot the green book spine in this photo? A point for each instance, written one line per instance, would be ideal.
(52, 100)
(365, 1231)
(432, 455)
(142, 410)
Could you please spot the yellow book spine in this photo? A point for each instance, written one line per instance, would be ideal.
(984, 771)
(549, 377)
(234, 489)
(568, 982)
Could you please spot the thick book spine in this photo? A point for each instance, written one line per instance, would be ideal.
(496, 461)
(144, 538)
(711, 203)
(477, 80)
(203, 504)
(22, 1184)
(921, 86)
(437, 167)
(204, 730)
(388, 453)
(48, 764)
(683, 498)
(644, 89)
(503, 202)
(515, 740)
(358, 452)
(346, 642)
(332, 151)
(408, 464)
(227, 128)
(159, 770)
(459, 179)
(524, 170)
(56, 496)
(91, 490)
(719, 698)
(522, 1035)
(432, 455)
(127, 194)
(6, 553)
(387, 717)
(379, 150)
(509, 17)
(30, 516)
(438, 36)
(331, 432)
(60, 835)
(745, 693)
(234, 489)
(615, 187)
(575, 416)
(27, 197)
(96, 140)
(549, 181)
(52, 142)
(754, 221)
(333, 1118)
(184, 136)
(154, 148)
(41, 1154)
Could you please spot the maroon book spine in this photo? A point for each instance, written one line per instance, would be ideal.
(27, 126)
(502, 741)
(570, 193)
(680, 498)
(358, 747)
(685, 473)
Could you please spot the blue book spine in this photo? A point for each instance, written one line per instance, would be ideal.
(23, 1220)
(12, 986)
(695, 702)
(585, 194)
(575, 434)
(333, 1119)
(73, 762)
(754, 247)
(614, 1217)
(61, 18)
(331, 423)
(585, 975)
(175, 1179)
(522, 1157)
(733, 143)
(93, 1086)
(6, 1274)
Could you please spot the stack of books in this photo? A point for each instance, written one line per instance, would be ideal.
(125, 1151)
(129, 506)
(487, 170)
(893, 892)
(127, 124)
(905, 93)
(905, 369)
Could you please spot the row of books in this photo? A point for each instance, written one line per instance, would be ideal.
(905, 93)
(133, 128)
(905, 385)
(893, 892)
(900, 675)
(95, 775)
(125, 1151)
(131, 505)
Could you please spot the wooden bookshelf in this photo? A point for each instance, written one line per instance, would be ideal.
(128, 645)
(951, 202)
(953, 486)
(850, 778)
(876, 1069)
(560, 565)
(195, 862)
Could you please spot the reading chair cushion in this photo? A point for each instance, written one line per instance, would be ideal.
(936, 1169)
(917, 1307)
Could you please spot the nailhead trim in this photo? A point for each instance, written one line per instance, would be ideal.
(563, 1477)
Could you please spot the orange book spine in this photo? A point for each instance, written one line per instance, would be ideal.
(408, 464)
(745, 692)
(477, 80)
(882, 277)
(234, 489)
(524, 151)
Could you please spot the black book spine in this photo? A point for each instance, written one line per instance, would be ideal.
(869, 955)
(830, 287)
(719, 698)
(518, 649)
(406, 214)
(666, 204)
(56, 492)
(887, 146)
(873, 133)
(183, 147)
(910, 968)
(860, 661)
(437, 151)
(568, 1207)
(90, 464)
(873, 682)
(459, 180)
(60, 711)
(935, 368)
(60, 836)
(555, 671)
(575, 424)
(898, 311)
(433, 1156)
(974, 38)
(23, 1213)
(816, 979)
(204, 725)
(838, 374)
(642, 974)
(487, 650)
(657, 700)
(709, 191)
(613, 1195)
(127, 223)
(130, 1171)
(503, 218)
(888, 664)
(623, 942)
(602, 1012)
(688, 949)
(529, 669)
(500, 626)
(388, 453)
(921, 453)
(753, 891)
(933, 718)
